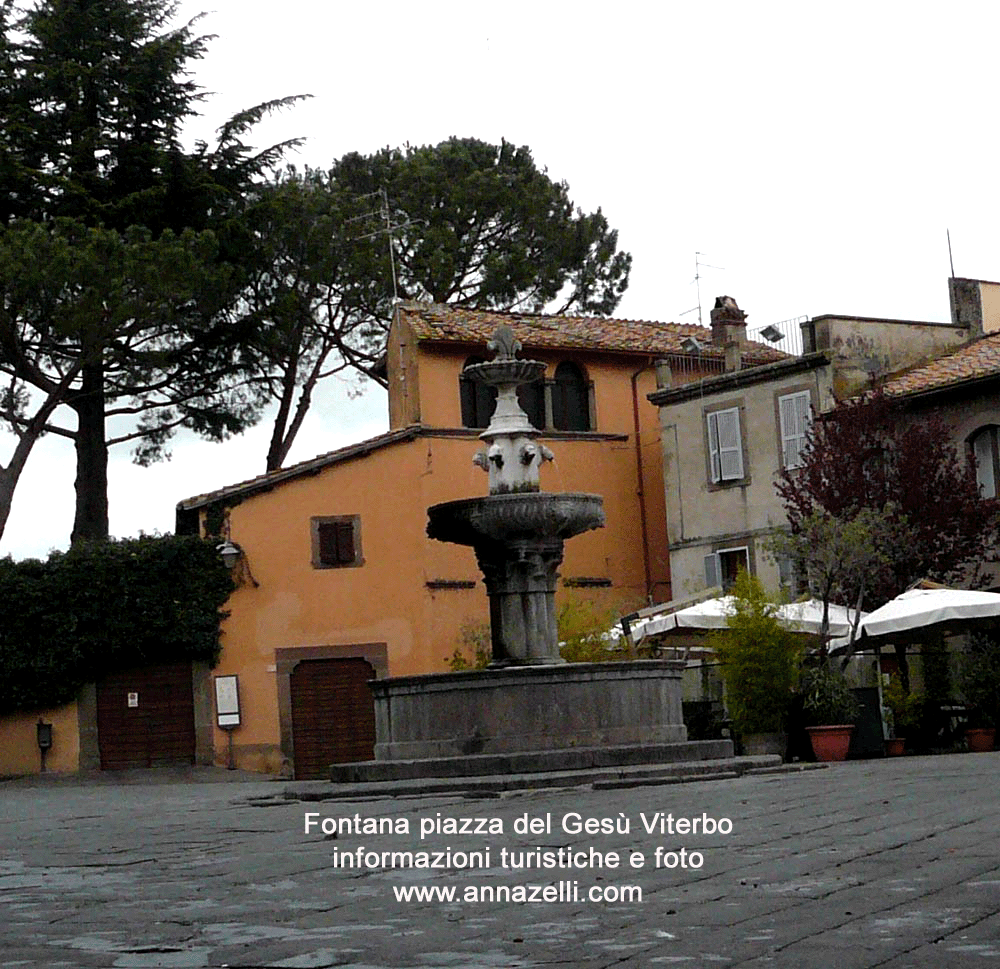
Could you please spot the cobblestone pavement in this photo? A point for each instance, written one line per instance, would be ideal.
(891, 863)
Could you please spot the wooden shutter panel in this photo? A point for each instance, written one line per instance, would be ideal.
(713, 571)
(730, 445)
(794, 415)
(713, 448)
(336, 543)
(345, 542)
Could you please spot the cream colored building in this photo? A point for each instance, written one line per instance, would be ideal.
(726, 437)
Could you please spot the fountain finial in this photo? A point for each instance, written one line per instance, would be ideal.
(504, 344)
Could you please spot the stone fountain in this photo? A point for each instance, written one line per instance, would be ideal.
(517, 531)
(529, 710)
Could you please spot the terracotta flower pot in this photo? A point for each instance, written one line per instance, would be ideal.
(832, 742)
(980, 739)
(894, 746)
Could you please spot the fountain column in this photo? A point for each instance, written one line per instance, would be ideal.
(520, 582)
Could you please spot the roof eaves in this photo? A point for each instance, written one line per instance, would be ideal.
(739, 378)
(956, 385)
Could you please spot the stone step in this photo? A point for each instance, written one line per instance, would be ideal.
(603, 778)
(534, 761)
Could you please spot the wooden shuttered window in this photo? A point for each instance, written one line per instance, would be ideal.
(725, 446)
(570, 399)
(336, 542)
(795, 414)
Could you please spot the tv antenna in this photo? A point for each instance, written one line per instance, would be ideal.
(382, 213)
(698, 266)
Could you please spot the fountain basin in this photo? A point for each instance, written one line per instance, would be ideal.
(499, 518)
(577, 705)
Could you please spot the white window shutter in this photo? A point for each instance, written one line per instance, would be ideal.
(713, 571)
(794, 415)
(715, 471)
(730, 445)
(984, 450)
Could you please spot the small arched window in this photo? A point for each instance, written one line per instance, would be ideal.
(478, 399)
(987, 455)
(570, 399)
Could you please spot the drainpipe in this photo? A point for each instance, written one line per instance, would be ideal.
(641, 488)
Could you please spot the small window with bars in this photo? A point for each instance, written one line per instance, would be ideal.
(336, 542)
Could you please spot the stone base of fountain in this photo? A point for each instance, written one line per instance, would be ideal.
(524, 719)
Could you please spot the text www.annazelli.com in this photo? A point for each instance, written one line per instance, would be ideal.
(563, 891)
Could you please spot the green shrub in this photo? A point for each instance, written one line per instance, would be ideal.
(474, 650)
(827, 698)
(758, 658)
(103, 607)
(583, 631)
(980, 673)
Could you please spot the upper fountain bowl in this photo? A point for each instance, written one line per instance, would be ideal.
(504, 517)
(496, 373)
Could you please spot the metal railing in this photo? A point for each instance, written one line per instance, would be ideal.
(785, 336)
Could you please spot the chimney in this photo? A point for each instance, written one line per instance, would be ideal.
(729, 330)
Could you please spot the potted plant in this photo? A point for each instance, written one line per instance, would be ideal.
(758, 658)
(903, 712)
(980, 676)
(830, 710)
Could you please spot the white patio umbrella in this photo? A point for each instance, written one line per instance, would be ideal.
(928, 607)
(803, 617)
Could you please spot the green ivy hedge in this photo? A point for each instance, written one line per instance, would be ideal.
(103, 607)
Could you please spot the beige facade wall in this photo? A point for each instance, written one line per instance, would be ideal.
(703, 517)
(19, 752)
(860, 348)
(989, 295)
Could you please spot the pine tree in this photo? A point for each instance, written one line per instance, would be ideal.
(121, 255)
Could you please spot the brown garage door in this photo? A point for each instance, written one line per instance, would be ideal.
(333, 714)
(145, 717)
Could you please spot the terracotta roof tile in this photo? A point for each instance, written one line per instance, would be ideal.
(975, 360)
(436, 322)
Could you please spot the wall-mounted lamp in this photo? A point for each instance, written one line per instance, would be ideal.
(691, 344)
(43, 733)
(772, 334)
(230, 553)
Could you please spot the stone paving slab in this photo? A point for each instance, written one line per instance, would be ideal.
(892, 863)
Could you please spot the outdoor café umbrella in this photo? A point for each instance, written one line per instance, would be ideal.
(802, 617)
(918, 608)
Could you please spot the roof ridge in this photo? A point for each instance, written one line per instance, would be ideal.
(418, 306)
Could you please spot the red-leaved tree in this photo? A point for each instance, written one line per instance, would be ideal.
(871, 453)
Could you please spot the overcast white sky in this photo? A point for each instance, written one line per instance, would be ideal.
(816, 153)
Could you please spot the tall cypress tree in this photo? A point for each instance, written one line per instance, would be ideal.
(120, 253)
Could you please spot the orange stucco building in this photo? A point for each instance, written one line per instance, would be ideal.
(339, 582)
